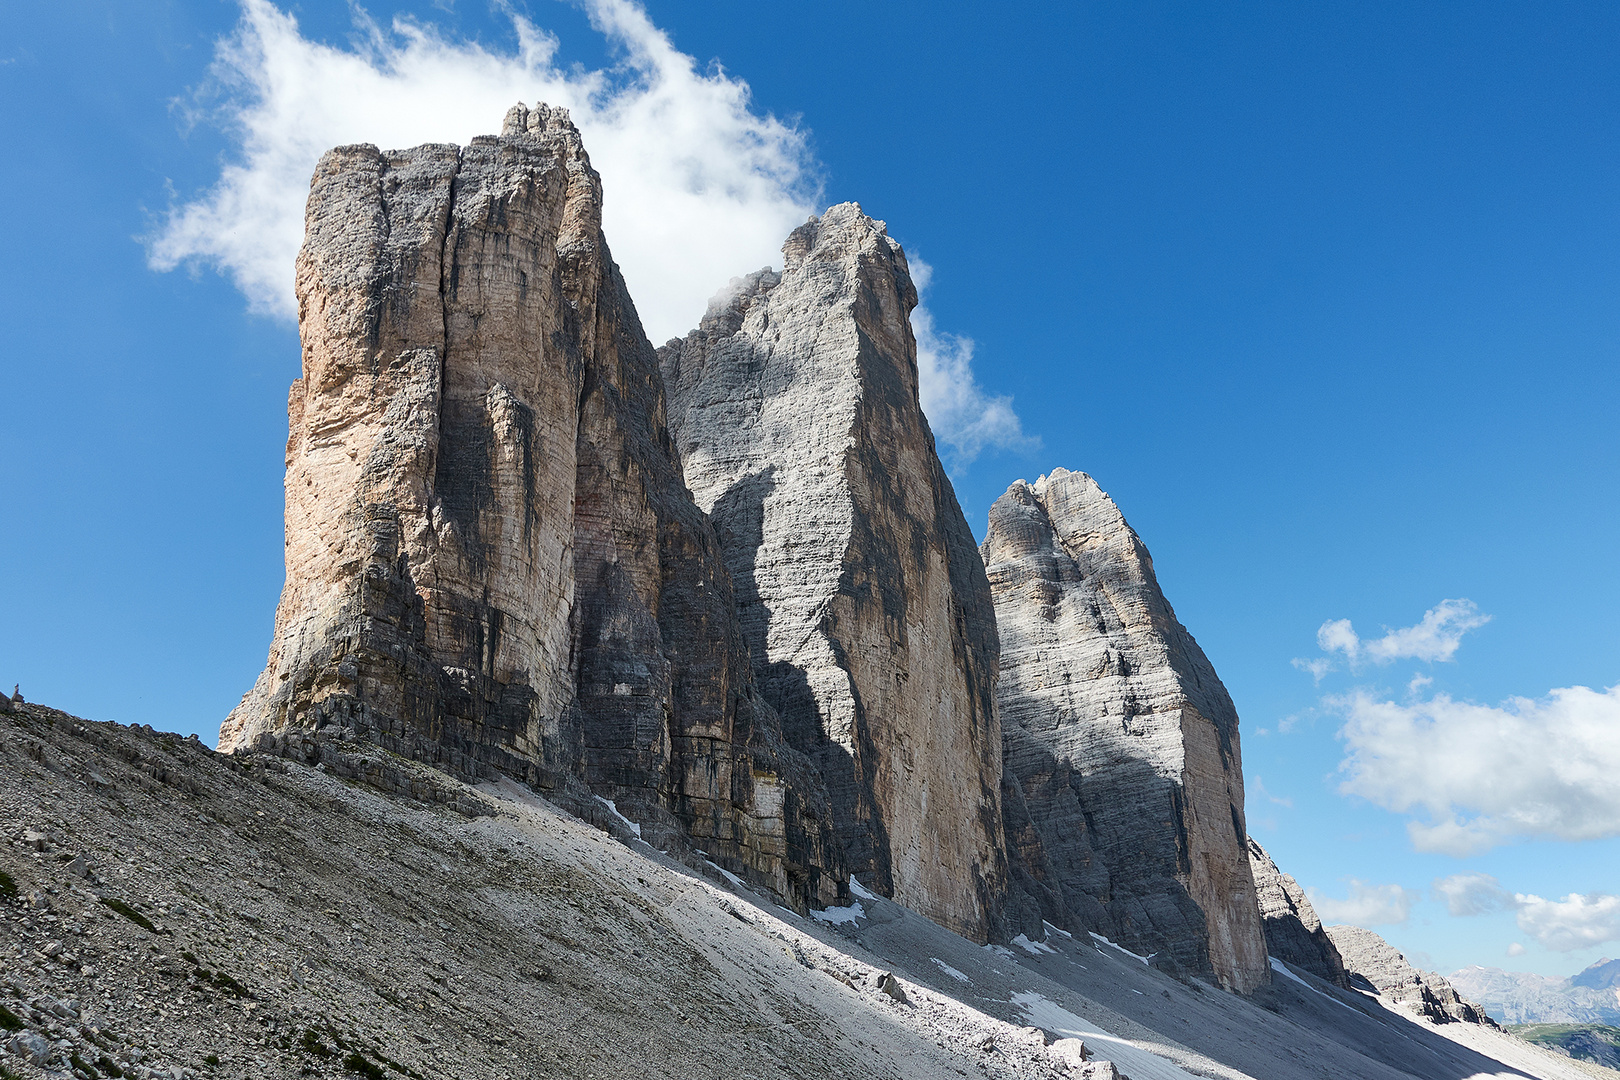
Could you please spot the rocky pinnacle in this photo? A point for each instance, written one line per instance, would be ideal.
(1120, 740)
(492, 561)
(863, 597)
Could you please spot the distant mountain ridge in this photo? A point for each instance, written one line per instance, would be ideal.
(1519, 997)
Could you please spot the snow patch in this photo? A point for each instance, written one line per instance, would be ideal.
(840, 914)
(1132, 1060)
(860, 890)
(1134, 956)
(1034, 948)
(614, 810)
(1282, 969)
(1001, 951)
(952, 972)
(727, 874)
(1050, 930)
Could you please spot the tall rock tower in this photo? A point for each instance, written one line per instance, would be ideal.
(859, 586)
(492, 561)
(1120, 738)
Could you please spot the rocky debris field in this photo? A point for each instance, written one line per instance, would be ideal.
(171, 912)
(322, 908)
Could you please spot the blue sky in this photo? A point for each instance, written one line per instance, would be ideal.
(1324, 296)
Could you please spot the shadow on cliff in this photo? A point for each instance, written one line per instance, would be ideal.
(739, 517)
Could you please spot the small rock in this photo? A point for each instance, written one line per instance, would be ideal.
(79, 867)
(16, 694)
(891, 986)
(30, 1047)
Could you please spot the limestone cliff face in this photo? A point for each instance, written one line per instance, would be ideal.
(1120, 738)
(858, 582)
(1367, 956)
(1293, 932)
(492, 561)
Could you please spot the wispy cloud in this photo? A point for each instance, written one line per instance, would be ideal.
(1472, 894)
(1435, 637)
(1578, 921)
(1367, 904)
(699, 185)
(1484, 775)
(1575, 922)
(962, 415)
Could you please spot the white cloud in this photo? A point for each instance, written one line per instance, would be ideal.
(1484, 775)
(1516, 949)
(698, 186)
(1472, 894)
(1435, 637)
(1257, 786)
(1575, 922)
(1317, 667)
(962, 415)
(1367, 904)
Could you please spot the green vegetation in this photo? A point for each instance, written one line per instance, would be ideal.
(8, 1073)
(211, 1060)
(1597, 1043)
(8, 887)
(80, 1065)
(9, 1020)
(357, 1062)
(109, 1066)
(130, 913)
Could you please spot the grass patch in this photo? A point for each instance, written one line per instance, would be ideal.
(9, 1020)
(109, 1066)
(130, 913)
(356, 1062)
(212, 1060)
(8, 886)
(83, 1066)
(8, 1073)
(311, 1044)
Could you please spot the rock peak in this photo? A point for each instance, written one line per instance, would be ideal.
(1124, 785)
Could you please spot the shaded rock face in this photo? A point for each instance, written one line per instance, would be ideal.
(1293, 932)
(858, 582)
(492, 562)
(1120, 738)
(1369, 957)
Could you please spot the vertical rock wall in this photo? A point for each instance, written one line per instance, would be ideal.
(1119, 736)
(1293, 932)
(859, 585)
(492, 561)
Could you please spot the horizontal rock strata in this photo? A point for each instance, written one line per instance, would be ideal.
(859, 585)
(1386, 970)
(1293, 932)
(492, 562)
(1120, 738)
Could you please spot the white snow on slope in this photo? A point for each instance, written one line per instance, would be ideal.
(1282, 969)
(952, 972)
(614, 810)
(1134, 956)
(1034, 948)
(1132, 1060)
(840, 914)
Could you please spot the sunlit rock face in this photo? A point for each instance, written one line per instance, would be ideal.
(794, 405)
(492, 560)
(1120, 738)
